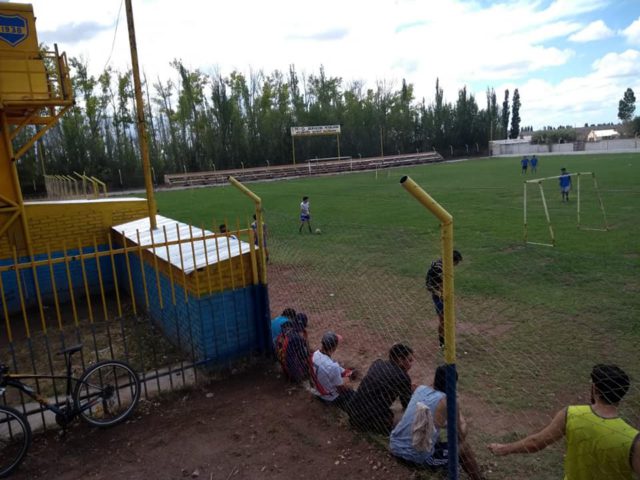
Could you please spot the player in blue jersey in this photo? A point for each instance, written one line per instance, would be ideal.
(288, 315)
(534, 164)
(565, 184)
(525, 163)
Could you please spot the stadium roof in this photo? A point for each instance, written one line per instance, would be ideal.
(216, 248)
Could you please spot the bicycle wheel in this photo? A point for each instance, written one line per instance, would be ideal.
(15, 438)
(107, 393)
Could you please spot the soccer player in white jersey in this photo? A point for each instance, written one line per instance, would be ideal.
(305, 214)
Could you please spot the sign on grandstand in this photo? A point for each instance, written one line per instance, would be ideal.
(315, 130)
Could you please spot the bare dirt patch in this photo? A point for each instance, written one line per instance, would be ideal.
(252, 425)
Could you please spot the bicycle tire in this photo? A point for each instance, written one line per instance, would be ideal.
(15, 438)
(106, 393)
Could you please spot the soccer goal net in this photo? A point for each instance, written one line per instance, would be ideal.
(585, 217)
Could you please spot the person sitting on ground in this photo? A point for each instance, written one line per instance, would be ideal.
(292, 349)
(329, 378)
(435, 453)
(385, 381)
(599, 444)
(288, 314)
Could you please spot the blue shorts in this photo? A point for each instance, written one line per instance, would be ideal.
(438, 303)
(304, 217)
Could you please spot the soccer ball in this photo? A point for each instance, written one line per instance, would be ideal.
(318, 231)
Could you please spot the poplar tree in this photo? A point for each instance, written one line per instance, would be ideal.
(505, 114)
(515, 115)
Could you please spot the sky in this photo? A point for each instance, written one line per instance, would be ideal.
(571, 60)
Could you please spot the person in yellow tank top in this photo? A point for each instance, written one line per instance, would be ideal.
(600, 445)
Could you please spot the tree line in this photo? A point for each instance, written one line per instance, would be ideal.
(200, 122)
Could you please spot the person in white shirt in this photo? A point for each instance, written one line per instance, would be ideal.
(305, 214)
(330, 379)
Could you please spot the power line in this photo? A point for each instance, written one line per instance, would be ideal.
(115, 32)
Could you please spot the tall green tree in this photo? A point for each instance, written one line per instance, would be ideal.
(206, 122)
(515, 115)
(505, 114)
(493, 119)
(627, 106)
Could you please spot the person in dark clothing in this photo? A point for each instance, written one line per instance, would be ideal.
(292, 349)
(385, 381)
(433, 283)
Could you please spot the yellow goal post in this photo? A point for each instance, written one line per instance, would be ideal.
(540, 183)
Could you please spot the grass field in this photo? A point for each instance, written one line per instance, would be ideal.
(532, 319)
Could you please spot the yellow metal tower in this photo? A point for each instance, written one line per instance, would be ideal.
(35, 89)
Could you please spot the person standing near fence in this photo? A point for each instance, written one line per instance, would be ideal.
(534, 164)
(525, 163)
(599, 444)
(565, 184)
(433, 283)
(305, 214)
(254, 227)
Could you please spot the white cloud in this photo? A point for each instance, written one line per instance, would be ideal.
(597, 30)
(632, 32)
(592, 98)
(616, 65)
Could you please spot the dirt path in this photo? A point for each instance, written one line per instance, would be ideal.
(252, 425)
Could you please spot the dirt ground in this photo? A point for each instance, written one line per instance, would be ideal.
(252, 425)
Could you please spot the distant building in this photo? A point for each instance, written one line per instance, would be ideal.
(597, 135)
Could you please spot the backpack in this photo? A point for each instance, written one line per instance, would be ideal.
(282, 343)
(293, 354)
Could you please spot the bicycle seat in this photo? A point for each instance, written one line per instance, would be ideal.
(71, 350)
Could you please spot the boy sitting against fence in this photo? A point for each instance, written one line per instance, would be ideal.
(292, 349)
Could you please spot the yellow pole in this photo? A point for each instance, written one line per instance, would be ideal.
(546, 214)
(446, 230)
(259, 230)
(142, 127)
(604, 215)
(578, 203)
(525, 212)
(446, 224)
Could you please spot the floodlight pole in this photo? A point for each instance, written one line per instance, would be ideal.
(142, 127)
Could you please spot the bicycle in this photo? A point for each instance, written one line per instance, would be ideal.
(105, 394)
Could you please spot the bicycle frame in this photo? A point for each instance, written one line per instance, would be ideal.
(14, 380)
(59, 408)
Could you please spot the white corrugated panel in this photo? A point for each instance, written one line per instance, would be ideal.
(189, 255)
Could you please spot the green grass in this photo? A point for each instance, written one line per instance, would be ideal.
(544, 315)
(485, 199)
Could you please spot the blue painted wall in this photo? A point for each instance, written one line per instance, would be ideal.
(216, 328)
(63, 283)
